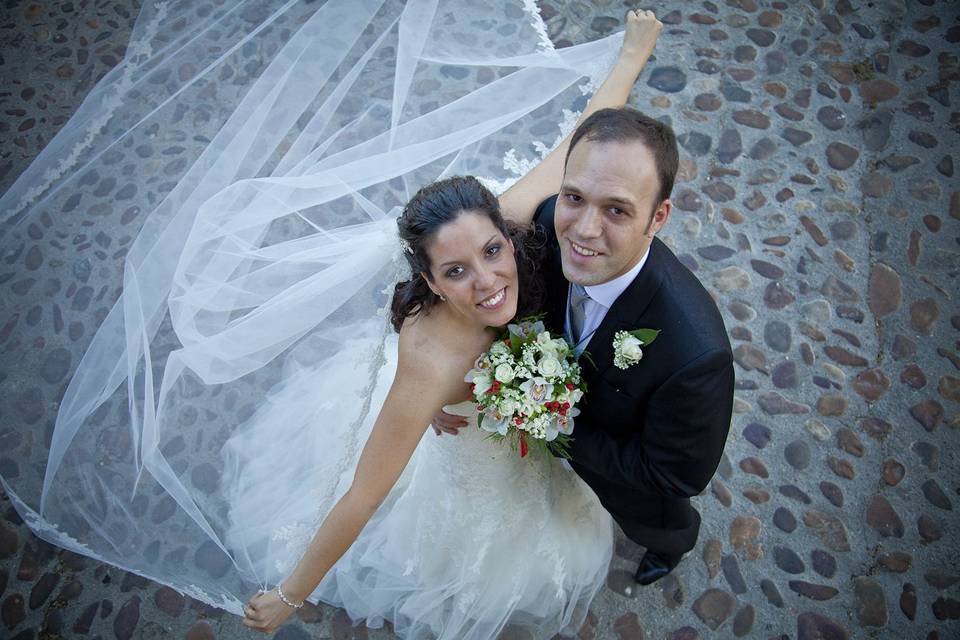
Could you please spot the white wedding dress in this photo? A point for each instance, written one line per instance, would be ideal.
(471, 539)
(235, 182)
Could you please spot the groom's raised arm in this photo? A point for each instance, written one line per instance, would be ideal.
(677, 450)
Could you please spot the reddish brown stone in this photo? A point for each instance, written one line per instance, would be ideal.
(744, 531)
(815, 232)
(883, 519)
(871, 384)
(896, 561)
(713, 607)
(720, 492)
(829, 529)
(875, 428)
(756, 495)
(923, 315)
(908, 601)
(913, 248)
(743, 621)
(903, 347)
(874, 184)
(949, 388)
(946, 609)
(941, 580)
(928, 413)
(871, 604)
(202, 631)
(850, 442)
(929, 529)
(752, 118)
(811, 590)
(754, 466)
(841, 156)
(841, 467)
(832, 405)
(627, 627)
(12, 611)
(9, 541)
(776, 89)
(813, 626)
(169, 601)
(878, 90)
(913, 376)
(842, 72)
(893, 471)
(885, 292)
(712, 551)
(844, 357)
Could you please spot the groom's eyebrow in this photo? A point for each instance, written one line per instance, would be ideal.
(485, 245)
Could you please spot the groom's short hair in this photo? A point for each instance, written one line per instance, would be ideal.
(625, 124)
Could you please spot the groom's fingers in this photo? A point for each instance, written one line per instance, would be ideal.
(445, 422)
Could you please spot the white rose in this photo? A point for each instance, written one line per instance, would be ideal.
(509, 406)
(504, 373)
(630, 348)
(499, 349)
(549, 367)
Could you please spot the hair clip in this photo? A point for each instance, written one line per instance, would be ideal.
(406, 246)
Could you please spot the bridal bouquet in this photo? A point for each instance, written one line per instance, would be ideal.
(526, 387)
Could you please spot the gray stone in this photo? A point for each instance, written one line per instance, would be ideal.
(667, 79)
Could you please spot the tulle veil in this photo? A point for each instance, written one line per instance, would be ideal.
(248, 159)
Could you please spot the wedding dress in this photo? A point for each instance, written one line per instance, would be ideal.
(472, 538)
(223, 207)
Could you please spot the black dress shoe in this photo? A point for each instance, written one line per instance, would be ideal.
(654, 565)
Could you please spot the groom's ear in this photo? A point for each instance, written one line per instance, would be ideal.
(660, 216)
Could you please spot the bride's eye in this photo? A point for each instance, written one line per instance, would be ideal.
(493, 249)
(454, 272)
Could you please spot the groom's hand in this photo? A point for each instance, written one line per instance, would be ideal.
(448, 423)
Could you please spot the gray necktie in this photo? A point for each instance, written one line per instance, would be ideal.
(578, 304)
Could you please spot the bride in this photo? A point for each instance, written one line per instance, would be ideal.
(210, 436)
(457, 539)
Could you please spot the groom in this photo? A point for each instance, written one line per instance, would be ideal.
(650, 435)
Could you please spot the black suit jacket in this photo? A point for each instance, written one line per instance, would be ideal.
(650, 436)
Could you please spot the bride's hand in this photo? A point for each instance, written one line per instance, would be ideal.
(265, 612)
(641, 33)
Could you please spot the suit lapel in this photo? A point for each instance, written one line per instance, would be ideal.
(624, 314)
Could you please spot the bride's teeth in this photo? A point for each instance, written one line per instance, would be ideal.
(493, 300)
(583, 251)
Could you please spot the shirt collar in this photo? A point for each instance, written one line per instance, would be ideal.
(606, 293)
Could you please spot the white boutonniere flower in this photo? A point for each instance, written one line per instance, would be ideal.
(627, 346)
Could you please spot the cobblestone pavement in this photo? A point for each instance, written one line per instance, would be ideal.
(816, 200)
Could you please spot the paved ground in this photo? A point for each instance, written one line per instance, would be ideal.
(817, 200)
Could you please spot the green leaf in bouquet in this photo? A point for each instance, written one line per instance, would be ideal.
(645, 336)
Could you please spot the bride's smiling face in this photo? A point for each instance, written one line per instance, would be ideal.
(472, 266)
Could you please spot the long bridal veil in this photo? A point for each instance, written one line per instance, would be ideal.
(223, 208)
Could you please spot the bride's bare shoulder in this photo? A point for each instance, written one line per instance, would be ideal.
(428, 341)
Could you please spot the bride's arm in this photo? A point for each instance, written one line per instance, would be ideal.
(418, 391)
(520, 201)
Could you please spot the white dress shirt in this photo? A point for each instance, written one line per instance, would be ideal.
(602, 297)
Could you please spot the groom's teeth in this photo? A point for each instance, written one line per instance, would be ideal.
(494, 300)
(583, 250)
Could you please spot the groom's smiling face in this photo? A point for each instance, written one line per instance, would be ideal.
(608, 209)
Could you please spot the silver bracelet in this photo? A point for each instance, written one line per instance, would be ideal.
(286, 600)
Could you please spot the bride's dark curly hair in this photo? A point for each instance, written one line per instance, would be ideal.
(434, 206)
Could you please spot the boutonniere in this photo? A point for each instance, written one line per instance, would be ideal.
(627, 346)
